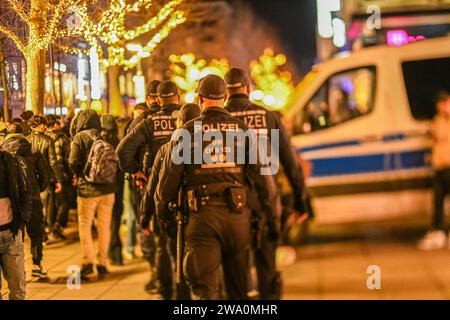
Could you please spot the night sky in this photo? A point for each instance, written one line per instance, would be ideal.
(295, 22)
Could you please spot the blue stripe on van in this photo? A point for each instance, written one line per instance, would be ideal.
(374, 163)
(348, 143)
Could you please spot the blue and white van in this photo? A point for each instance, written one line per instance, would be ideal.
(363, 121)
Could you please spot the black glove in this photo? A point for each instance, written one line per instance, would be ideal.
(170, 227)
(145, 222)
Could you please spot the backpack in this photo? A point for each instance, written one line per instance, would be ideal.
(102, 163)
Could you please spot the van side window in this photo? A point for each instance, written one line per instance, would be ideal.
(423, 80)
(343, 97)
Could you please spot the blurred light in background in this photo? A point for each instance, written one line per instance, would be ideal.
(139, 87)
(95, 74)
(339, 33)
(325, 18)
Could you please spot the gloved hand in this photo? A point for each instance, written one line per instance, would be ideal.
(170, 227)
(145, 222)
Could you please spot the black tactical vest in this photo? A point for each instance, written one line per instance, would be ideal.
(217, 163)
(161, 126)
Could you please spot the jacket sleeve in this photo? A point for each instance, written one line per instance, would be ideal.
(53, 161)
(128, 148)
(265, 187)
(170, 180)
(77, 155)
(291, 166)
(148, 201)
(43, 171)
(25, 196)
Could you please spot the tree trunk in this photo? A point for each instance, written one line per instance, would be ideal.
(35, 81)
(5, 88)
(116, 106)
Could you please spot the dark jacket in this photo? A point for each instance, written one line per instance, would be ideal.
(148, 203)
(153, 132)
(87, 127)
(36, 167)
(215, 177)
(46, 146)
(62, 151)
(18, 189)
(257, 117)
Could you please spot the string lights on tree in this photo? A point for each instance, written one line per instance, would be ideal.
(111, 32)
(273, 87)
(33, 25)
(187, 71)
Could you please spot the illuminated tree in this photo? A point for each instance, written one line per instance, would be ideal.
(187, 71)
(33, 25)
(273, 87)
(106, 29)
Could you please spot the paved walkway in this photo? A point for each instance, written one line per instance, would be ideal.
(333, 265)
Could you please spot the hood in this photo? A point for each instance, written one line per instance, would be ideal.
(17, 144)
(109, 123)
(88, 119)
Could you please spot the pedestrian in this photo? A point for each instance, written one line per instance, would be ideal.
(46, 145)
(437, 238)
(134, 189)
(151, 134)
(62, 152)
(26, 116)
(15, 211)
(218, 231)
(38, 174)
(110, 134)
(152, 97)
(265, 123)
(93, 198)
(166, 249)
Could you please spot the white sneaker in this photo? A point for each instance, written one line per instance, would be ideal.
(433, 240)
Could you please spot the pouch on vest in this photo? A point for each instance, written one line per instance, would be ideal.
(236, 199)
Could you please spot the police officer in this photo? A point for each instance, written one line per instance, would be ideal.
(152, 133)
(164, 257)
(152, 97)
(218, 232)
(263, 121)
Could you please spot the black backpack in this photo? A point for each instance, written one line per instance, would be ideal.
(102, 163)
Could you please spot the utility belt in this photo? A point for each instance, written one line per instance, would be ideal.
(234, 196)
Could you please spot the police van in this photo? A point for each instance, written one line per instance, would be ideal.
(363, 121)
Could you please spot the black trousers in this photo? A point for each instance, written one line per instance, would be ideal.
(165, 262)
(62, 204)
(115, 246)
(35, 230)
(441, 190)
(214, 238)
(269, 279)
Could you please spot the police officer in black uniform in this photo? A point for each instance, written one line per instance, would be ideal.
(263, 121)
(152, 133)
(218, 231)
(152, 97)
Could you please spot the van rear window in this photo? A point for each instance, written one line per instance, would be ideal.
(423, 80)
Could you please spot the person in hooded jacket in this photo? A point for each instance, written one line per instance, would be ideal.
(92, 198)
(110, 134)
(37, 172)
(46, 145)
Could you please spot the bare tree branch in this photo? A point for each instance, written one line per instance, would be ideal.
(10, 34)
(19, 9)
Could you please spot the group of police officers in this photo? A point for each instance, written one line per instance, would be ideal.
(231, 211)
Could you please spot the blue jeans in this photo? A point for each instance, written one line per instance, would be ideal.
(12, 264)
